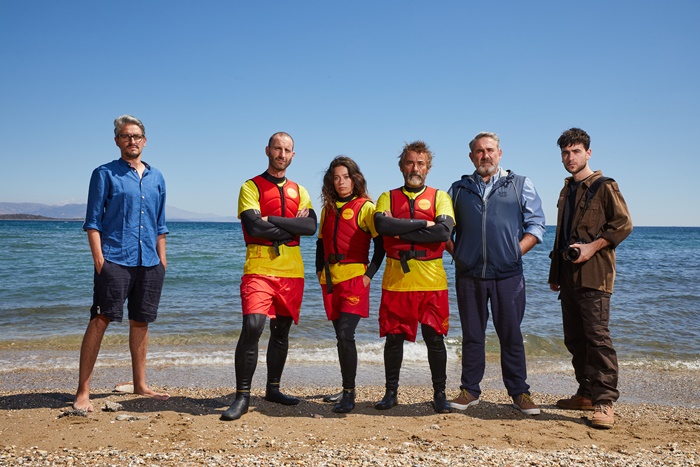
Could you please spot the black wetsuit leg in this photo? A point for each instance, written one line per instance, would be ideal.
(437, 356)
(347, 351)
(437, 359)
(277, 349)
(246, 361)
(393, 358)
(247, 350)
(347, 355)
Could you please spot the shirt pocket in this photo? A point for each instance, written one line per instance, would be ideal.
(592, 219)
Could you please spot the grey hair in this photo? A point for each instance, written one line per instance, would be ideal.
(119, 123)
(484, 134)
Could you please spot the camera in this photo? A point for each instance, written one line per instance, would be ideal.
(572, 252)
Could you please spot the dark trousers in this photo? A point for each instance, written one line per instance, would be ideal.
(586, 315)
(507, 298)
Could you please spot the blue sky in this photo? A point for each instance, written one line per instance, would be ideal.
(213, 79)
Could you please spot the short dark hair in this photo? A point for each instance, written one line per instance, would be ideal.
(574, 136)
(280, 133)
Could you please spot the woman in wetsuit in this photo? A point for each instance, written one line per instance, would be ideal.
(342, 263)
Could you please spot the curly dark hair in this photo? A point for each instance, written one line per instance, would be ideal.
(328, 194)
(574, 136)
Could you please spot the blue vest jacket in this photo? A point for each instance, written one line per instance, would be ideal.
(488, 231)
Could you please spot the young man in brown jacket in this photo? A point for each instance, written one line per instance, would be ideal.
(592, 220)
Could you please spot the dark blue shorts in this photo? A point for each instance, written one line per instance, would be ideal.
(140, 285)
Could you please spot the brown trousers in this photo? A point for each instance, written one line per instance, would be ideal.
(586, 315)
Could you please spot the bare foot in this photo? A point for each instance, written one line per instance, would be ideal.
(148, 392)
(83, 403)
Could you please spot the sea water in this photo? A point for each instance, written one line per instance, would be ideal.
(46, 275)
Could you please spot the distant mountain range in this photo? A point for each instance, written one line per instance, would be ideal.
(77, 211)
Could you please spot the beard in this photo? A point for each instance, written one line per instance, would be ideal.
(575, 169)
(280, 164)
(414, 180)
(131, 154)
(485, 170)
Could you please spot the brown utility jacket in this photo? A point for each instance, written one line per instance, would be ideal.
(606, 216)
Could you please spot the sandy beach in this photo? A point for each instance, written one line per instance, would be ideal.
(186, 429)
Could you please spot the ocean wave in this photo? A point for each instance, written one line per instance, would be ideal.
(323, 354)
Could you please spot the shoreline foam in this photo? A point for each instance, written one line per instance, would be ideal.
(637, 384)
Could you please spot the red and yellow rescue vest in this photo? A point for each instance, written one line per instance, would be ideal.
(275, 200)
(343, 239)
(422, 208)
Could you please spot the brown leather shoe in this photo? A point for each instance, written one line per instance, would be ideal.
(464, 400)
(604, 416)
(575, 402)
(526, 405)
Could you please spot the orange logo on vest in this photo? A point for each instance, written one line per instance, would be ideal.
(424, 204)
(292, 193)
(348, 213)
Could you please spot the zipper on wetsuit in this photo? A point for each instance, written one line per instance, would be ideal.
(335, 230)
(284, 210)
(411, 203)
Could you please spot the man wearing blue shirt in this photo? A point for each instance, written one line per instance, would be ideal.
(498, 218)
(125, 224)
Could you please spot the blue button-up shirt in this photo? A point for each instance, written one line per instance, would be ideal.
(128, 211)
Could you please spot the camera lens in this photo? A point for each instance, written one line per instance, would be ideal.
(573, 253)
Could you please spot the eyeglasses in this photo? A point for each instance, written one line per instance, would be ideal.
(124, 137)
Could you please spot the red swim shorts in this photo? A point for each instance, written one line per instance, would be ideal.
(272, 296)
(400, 312)
(350, 296)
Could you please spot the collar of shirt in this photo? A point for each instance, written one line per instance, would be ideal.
(126, 163)
(486, 188)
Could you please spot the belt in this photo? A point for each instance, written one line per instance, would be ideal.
(405, 255)
(332, 259)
